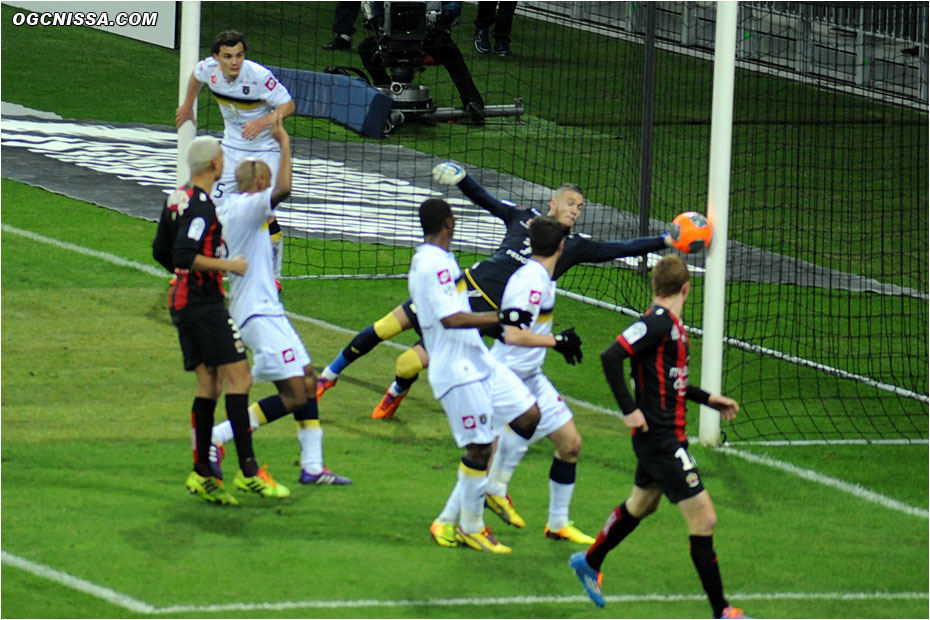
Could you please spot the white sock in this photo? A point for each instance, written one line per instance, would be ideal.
(328, 374)
(222, 433)
(560, 496)
(394, 390)
(452, 509)
(474, 484)
(311, 446)
(510, 451)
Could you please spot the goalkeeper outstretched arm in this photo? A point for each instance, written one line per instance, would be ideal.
(449, 173)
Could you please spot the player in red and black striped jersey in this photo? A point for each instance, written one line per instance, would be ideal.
(658, 348)
(189, 243)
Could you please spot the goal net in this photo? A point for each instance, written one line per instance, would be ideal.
(827, 274)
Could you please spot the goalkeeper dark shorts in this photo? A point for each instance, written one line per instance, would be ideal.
(208, 336)
(666, 463)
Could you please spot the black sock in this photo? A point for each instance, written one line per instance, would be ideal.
(202, 422)
(364, 341)
(618, 526)
(403, 384)
(310, 411)
(272, 408)
(562, 472)
(237, 410)
(705, 561)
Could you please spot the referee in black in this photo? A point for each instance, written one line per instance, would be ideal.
(189, 243)
(658, 348)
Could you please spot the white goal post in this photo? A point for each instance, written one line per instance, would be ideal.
(189, 57)
(718, 203)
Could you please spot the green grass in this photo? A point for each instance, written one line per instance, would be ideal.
(96, 446)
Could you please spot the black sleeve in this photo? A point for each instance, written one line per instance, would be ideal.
(612, 362)
(599, 252)
(696, 394)
(483, 198)
(161, 246)
(186, 249)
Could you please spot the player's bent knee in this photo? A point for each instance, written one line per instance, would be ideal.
(408, 365)
(388, 326)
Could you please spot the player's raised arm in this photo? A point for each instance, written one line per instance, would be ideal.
(450, 173)
(282, 185)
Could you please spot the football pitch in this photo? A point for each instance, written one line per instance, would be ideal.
(95, 448)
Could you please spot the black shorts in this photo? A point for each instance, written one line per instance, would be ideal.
(667, 464)
(208, 336)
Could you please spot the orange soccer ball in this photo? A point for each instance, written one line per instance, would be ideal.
(690, 232)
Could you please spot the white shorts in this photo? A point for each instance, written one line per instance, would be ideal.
(553, 412)
(231, 159)
(477, 410)
(277, 351)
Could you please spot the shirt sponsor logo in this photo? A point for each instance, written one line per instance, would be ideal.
(213, 79)
(271, 83)
(535, 297)
(468, 421)
(444, 276)
(288, 355)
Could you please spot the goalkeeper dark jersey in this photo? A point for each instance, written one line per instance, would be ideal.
(489, 276)
(188, 227)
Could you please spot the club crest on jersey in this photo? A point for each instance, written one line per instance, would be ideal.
(535, 298)
(444, 276)
(245, 90)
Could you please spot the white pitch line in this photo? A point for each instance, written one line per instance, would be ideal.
(806, 474)
(813, 476)
(76, 583)
(136, 606)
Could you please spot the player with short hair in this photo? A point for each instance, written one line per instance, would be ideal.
(486, 279)
(659, 352)
(278, 353)
(189, 243)
(247, 94)
(531, 288)
(477, 393)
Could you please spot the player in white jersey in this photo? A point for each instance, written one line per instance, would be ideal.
(278, 354)
(477, 394)
(532, 288)
(247, 94)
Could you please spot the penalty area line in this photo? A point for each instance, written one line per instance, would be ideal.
(805, 474)
(135, 605)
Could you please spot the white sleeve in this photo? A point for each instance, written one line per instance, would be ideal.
(523, 292)
(441, 291)
(273, 92)
(202, 72)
